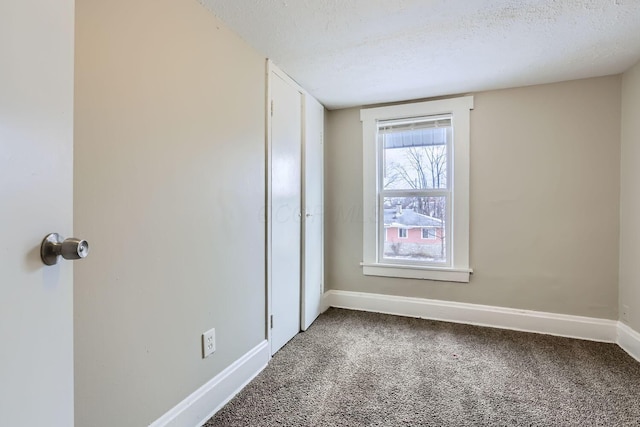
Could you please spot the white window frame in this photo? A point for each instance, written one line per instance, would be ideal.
(428, 230)
(458, 269)
(406, 233)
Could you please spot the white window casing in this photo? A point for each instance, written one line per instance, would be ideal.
(458, 269)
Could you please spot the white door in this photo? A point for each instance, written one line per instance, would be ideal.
(312, 264)
(285, 165)
(36, 195)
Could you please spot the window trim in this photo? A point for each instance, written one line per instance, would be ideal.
(459, 269)
(406, 232)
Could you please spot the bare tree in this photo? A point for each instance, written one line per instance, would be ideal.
(421, 168)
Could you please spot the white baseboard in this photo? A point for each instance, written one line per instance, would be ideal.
(563, 325)
(197, 408)
(325, 302)
(629, 340)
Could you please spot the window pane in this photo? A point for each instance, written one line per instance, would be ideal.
(415, 157)
(423, 220)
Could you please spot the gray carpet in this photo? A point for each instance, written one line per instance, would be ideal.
(364, 369)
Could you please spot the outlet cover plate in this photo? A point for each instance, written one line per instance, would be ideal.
(208, 343)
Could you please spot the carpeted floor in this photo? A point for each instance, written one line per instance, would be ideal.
(364, 369)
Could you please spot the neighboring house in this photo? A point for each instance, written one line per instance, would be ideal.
(408, 233)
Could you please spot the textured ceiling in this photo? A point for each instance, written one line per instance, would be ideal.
(358, 52)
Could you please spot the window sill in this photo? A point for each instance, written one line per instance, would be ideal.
(415, 272)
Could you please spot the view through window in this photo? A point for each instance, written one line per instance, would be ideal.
(414, 189)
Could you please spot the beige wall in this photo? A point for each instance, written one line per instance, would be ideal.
(544, 202)
(630, 199)
(169, 186)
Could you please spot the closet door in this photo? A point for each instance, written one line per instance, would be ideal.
(312, 264)
(285, 212)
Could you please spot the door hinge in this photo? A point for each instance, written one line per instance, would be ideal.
(271, 321)
(272, 107)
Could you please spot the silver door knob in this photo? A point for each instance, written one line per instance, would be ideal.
(54, 246)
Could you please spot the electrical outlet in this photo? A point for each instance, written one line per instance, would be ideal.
(625, 313)
(208, 343)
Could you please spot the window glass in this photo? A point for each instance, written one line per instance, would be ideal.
(415, 157)
(412, 219)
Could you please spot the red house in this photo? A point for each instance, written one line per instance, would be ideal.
(409, 234)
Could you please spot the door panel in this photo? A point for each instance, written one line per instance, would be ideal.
(286, 157)
(36, 195)
(313, 212)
